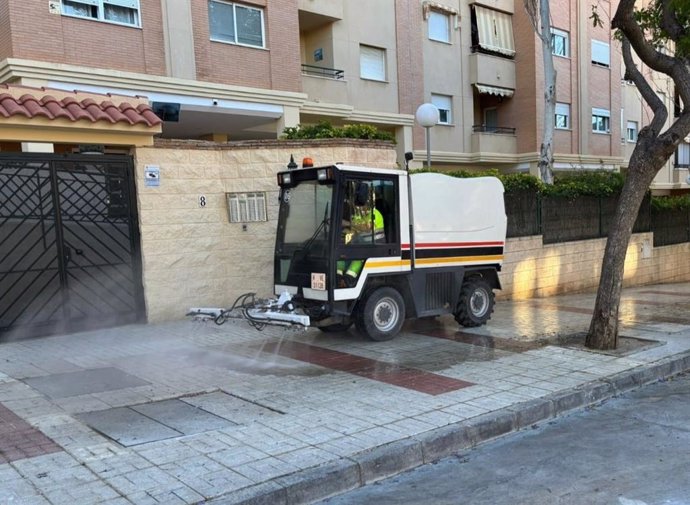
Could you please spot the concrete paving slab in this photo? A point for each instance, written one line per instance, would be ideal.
(128, 427)
(182, 417)
(84, 382)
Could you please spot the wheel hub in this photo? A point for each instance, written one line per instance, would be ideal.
(386, 314)
(479, 302)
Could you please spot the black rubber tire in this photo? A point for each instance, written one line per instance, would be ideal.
(381, 314)
(476, 303)
(335, 328)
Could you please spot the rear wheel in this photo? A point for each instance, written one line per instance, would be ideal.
(381, 314)
(476, 303)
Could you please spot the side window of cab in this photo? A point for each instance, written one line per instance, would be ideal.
(369, 212)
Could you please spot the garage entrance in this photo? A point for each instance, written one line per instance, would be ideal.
(69, 244)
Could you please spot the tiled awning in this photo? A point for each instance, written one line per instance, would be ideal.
(71, 108)
(493, 90)
(51, 115)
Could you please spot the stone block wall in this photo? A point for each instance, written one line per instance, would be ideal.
(532, 269)
(193, 255)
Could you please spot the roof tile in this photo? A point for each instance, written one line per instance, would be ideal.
(38, 104)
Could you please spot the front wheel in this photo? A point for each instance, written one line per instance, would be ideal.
(381, 314)
(476, 303)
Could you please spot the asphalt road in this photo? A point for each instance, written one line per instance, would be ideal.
(630, 450)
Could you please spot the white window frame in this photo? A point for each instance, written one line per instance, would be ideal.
(631, 131)
(562, 109)
(555, 32)
(438, 26)
(444, 104)
(372, 63)
(605, 117)
(99, 5)
(247, 207)
(235, 40)
(601, 53)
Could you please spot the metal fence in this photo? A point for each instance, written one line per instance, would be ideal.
(561, 219)
(670, 226)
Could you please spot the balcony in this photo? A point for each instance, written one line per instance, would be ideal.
(315, 13)
(328, 73)
(494, 139)
(493, 71)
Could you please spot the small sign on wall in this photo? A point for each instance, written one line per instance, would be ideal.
(318, 54)
(54, 7)
(152, 175)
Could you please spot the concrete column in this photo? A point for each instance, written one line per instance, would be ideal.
(403, 139)
(178, 36)
(290, 118)
(37, 147)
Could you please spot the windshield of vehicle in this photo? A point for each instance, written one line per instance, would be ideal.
(306, 209)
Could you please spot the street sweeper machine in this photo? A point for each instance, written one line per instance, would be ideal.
(373, 247)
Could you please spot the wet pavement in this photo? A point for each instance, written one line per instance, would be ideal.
(186, 412)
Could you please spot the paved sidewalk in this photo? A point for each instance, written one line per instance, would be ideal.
(186, 412)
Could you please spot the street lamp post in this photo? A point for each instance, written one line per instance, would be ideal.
(427, 116)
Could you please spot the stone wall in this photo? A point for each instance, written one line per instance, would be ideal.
(193, 255)
(532, 269)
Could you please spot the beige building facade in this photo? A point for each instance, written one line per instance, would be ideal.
(224, 70)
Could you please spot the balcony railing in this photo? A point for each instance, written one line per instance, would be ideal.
(329, 73)
(503, 130)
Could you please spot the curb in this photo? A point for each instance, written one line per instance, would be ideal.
(346, 474)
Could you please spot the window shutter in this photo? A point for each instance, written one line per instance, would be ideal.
(495, 30)
(129, 4)
(601, 53)
(439, 26)
(372, 63)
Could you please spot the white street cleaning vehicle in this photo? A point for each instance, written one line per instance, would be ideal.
(374, 246)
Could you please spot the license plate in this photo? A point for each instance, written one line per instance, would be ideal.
(318, 281)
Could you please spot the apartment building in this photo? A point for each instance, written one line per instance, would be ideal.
(225, 70)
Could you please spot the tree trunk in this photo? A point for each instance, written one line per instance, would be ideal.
(545, 163)
(603, 329)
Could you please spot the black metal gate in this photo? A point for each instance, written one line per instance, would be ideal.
(69, 244)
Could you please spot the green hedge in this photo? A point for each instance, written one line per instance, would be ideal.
(671, 202)
(325, 130)
(598, 183)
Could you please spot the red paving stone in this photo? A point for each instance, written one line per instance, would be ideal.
(20, 440)
(389, 373)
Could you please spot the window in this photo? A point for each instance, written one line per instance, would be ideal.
(560, 42)
(631, 135)
(562, 116)
(439, 26)
(124, 12)
(372, 63)
(236, 23)
(601, 55)
(683, 155)
(246, 207)
(492, 31)
(601, 120)
(444, 104)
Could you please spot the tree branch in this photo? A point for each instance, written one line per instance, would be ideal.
(625, 21)
(648, 94)
(669, 22)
